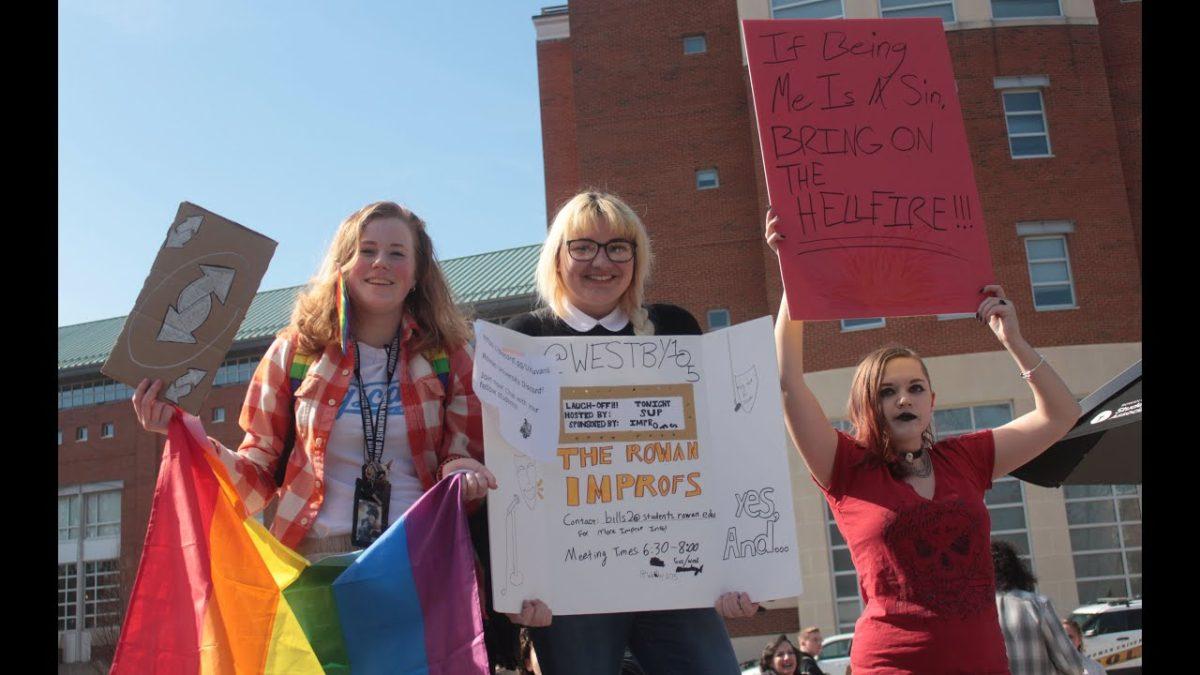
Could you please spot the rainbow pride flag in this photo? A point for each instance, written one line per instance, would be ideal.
(216, 593)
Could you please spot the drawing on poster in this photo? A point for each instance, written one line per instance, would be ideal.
(184, 231)
(194, 305)
(530, 484)
(176, 331)
(754, 504)
(745, 383)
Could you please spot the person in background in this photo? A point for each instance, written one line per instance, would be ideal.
(778, 657)
(1090, 667)
(911, 507)
(1033, 634)
(810, 651)
(591, 276)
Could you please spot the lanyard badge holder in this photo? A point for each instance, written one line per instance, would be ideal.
(372, 491)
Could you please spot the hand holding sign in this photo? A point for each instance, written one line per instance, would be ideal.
(867, 167)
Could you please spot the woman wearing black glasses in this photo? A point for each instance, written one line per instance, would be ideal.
(591, 277)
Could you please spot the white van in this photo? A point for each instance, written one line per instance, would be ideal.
(1112, 632)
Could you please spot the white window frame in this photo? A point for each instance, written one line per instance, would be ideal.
(218, 414)
(701, 174)
(992, 11)
(1119, 524)
(1027, 134)
(81, 434)
(108, 429)
(703, 44)
(717, 313)
(801, 3)
(1070, 275)
(882, 321)
(919, 4)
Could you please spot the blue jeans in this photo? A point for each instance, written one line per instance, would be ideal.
(683, 641)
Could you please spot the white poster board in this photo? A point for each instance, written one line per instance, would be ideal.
(667, 482)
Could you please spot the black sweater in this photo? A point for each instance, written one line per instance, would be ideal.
(667, 320)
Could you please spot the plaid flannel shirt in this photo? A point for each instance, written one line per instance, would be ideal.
(442, 421)
(1034, 636)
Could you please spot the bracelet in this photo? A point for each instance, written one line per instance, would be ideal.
(1026, 374)
(441, 465)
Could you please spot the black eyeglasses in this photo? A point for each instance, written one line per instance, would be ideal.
(586, 250)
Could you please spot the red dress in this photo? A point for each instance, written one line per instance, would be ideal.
(924, 565)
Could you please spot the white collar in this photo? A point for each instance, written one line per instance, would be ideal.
(580, 321)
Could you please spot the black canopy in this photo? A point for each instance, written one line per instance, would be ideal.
(1104, 446)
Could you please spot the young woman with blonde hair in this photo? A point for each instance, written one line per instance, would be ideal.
(370, 387)
(591, 277)
(911, 509)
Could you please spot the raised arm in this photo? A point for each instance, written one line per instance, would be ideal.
(807, 425)
(1055, 409)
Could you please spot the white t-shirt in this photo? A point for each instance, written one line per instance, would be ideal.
(344, 453)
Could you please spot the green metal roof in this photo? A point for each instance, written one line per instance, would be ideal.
(496, 275)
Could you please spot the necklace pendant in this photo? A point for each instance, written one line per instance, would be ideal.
(908, 457)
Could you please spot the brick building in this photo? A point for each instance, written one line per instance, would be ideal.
(651, 101)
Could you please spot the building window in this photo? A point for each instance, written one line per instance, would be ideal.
(695, 44)
(80, 434)
(68, 517)
(68, 588)
(218, 414)
(847, 604)
(899, 9)
(107, 430)
(60, 436)
(707, 179)
(1025, 118)
(103, 514)
(235, 370)
(1050, 273)
(1024, 9)
(89, 577)
(101, 593)
(862, 324)
(807, 9)
(952, 317)
(92, 393)
(1105, 526)
(718, 318)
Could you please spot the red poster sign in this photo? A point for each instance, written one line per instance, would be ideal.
(867, 167)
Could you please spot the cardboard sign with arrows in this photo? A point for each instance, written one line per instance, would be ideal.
(191, 306)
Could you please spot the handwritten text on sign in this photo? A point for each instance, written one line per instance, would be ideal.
(667, 483)
(867, 167)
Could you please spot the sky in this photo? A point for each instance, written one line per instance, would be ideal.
(286, 117)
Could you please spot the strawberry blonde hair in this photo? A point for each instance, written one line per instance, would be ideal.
(865, 412)
(581, 212)
(431, 305)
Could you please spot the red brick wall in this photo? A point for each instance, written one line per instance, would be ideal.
(558, 123)
(647, 117)
(1121, 42)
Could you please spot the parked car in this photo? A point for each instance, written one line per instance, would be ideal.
(835, 653)
(750, 668)
(1112, 633)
